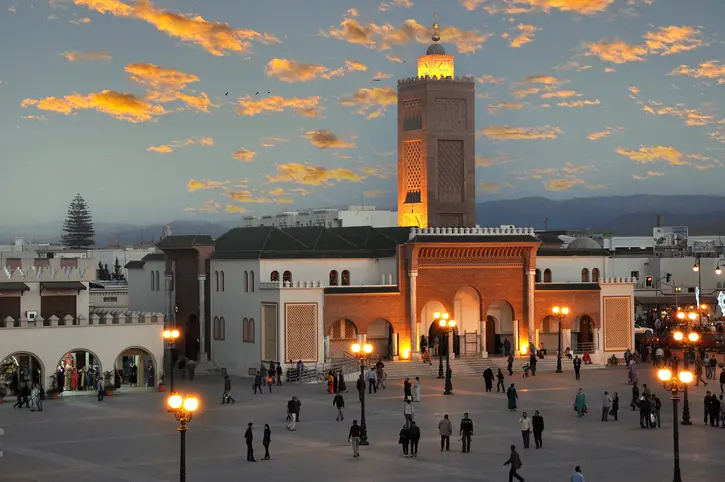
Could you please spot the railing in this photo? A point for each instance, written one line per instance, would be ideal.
(318, 372)
(588, 347)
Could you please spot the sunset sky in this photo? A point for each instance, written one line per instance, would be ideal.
(165, 110)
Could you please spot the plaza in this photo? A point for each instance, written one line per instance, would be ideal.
(131, 437)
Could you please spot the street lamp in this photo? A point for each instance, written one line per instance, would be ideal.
(675, 383)
(438, 317)
(171, 336)
(362, 353)
(686, 339)
(720, 262)
(560, 313)
(183, 408)
(447, 326)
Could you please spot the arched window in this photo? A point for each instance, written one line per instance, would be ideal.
(287, 277)
(221, 278)
(719, 285)
(585, 275)
(158, 284)
(251, 330)
(220, 328)
(345, 278)
(153, 281)
(547, 275)
(333, 278)
(246, 282)
(537, 276)
(216, 280)
(251, 280)
(595, 275)
(274, 276)
(248, 330)
(245, 329)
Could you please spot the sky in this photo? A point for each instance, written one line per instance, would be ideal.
(165, 110)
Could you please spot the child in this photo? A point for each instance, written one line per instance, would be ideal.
(527, 368)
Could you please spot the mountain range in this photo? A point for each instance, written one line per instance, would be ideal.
(621, 215)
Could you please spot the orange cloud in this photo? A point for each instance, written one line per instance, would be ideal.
(80, 21)
(521, 93)
(167, 148)
(578, 103)
(648, 175)
(193, 185)
(488, 161)
(493, 187)
(584, 7)
(371, 101)
(570, 168)
(85, 56)
(494, 108)
(326, 139)
(304, 106)
(526, 36)
(209, 206)
(385, 36)
(311, 175)
(503, 133)
(663, 41)
(617, 51)
(562, 183)
(471, 5)
(540, 79)
(232, 209)
(162, 149)
(718, 136)
(159, 77)
(572, 65)
(652, 154)
(711, 70)
(691, 117)
(394, 58)
(354, 65)
(560, 94)
(293, 71)
(489, 79)
(271, 141)
(247, 197)
(244, 155)
(116, 104)
(375, 193)
(217, 38)
(595, 136)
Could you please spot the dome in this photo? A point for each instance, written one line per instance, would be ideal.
(435, 49)
(584, 243)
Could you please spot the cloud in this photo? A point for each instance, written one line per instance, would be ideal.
(663, 41)
(209, 206)
(691, 117)
(381, 171)
(711, 70)
(162, 149)
(595, 136)
(570, 168)
(385, 36)
(244, 155)
(80, 21)
(521, 93)
(488, 161)
(217, 38)
(246, 196)
(510, 133)
(648, 175)
(232, 209)
(382, 75)
(471, 5)
(120, 105)
(271, 141)
(493, 187)
(540, 79)
(718, 136)
(526, 36)
(375, 193)
(584, 7)
(304, 106)
(355, 65)
(193, 185)
(562, 183)
(384, 7)
(85, 56)
(652, 154)
(494, 108)
(395, 58)
(159, 77)
(353, 12)
(312, 175)
(578, 103)
(489, 79)
(572, 65)
(371, 101)
(293, 71)
(560, 94)
(609, 70)
(326, 139)
(167, 148)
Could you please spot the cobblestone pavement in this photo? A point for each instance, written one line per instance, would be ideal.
(132, 438)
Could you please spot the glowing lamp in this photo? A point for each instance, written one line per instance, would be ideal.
(191, 404)
(406, 353)
(696, 267)
(680, 315)
(437, 315)
(565, 310)
(452, 323)
(703, 307)
(367, 349)
(692, 316)
(445, 316)
(718, 270)
(175, 401)
(524, 349)
(171, 335)
(686, 376)
(356, 348)
(693, 337)
(556, 310)
(678, 336)
(442, 322)
(664, 374)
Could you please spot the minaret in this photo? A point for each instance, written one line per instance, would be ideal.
(436, 143)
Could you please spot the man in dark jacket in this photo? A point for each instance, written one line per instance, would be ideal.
(279, 374)
(706, 407)
(249, 437)
(515, 462)
(414, 439)
(644, 411)
(577, 366)
(354, 438)
(537, 424)
(466, 432)
(339, 403)
(227, 397)
(722, 380)
(258, 383)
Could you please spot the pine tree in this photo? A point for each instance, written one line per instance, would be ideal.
(106, 273)
(99, 272)
(118, 272)
(78, 229)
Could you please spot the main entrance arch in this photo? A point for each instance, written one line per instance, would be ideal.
(18, 368)
(137, 366)
(380, 335)
(549, 333)
(586, 329)
(343, 334)
(467, 313)
(500, 314)
(77, 370)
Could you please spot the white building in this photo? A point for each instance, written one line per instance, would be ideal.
(330, 218)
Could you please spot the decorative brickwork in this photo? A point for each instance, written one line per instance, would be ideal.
(301, 331)
(450, 171)
(413, 155)
(451, 113)
(617, 323)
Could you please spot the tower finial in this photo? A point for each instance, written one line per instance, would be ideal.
(436, 34)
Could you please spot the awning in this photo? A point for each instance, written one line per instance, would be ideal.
(13, 287)
(62, 286)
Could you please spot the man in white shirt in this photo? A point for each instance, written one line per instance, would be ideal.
(577, 476)
(606, 406)
(659, 357)
(372, 379)
(525, 426)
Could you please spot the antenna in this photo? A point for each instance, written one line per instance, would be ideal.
(546, 224)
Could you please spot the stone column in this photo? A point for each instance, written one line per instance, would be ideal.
(484, 353)
(565, 340)
(202, 319)
(530, 289)
(412, 283)
(515, 344)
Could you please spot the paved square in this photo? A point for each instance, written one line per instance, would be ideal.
(132, 438)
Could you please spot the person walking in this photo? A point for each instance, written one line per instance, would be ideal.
(372, 379)
(445, 428)
(279, 374)
(537, 424)
(525, 426)
(722, 411)
(722, 380)
(341, 385)
(270, 381)
(291, 415)
(656, 409)
(339, 403)
(266, 440)
(258, 380)
(404, 439)
(514, 463)
(577, 476)
(100, 388)
(488, 378)
(408, 412)
(644, 412)
(416, 389)
(407, 393)
(414, 439)
(512, 397)
(615, 407)
(577, 362)
(499, 383)
(580, 403)
(606, 406)
(249, 437)
(635, 396)
(510, 364)
(227, 396)
(466, 432)
(354, 438)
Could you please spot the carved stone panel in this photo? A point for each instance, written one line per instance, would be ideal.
(413, 158)
(450, 172)
(412, 113)
(451, 114)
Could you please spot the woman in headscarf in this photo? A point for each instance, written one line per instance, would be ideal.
(406, 390)
(266, 439)
(341, 386)
(580, 403)
(512, 398)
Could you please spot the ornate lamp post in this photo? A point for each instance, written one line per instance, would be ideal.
(171, 336)
(447, 326)
(438, 319)
(718, 267)
(560, 313)
(675, 383)
(362, 353)
(183, 409)
(686, 339)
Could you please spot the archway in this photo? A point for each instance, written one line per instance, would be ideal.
(77, 370)
(502, 314)
(18, 368)
(191, 337)
(380, 335)
(467, 313)
(137, 366)
(586, 329)
(549, 333)
(343, 334)
(427, 319)
(491, 342)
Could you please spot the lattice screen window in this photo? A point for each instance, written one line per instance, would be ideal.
(343, 330)
(450, 171)
(301, 332)
(617, 323)
(413, 156)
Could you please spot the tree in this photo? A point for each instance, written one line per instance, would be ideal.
(118, 272)
(102, 273)
(78, 229)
